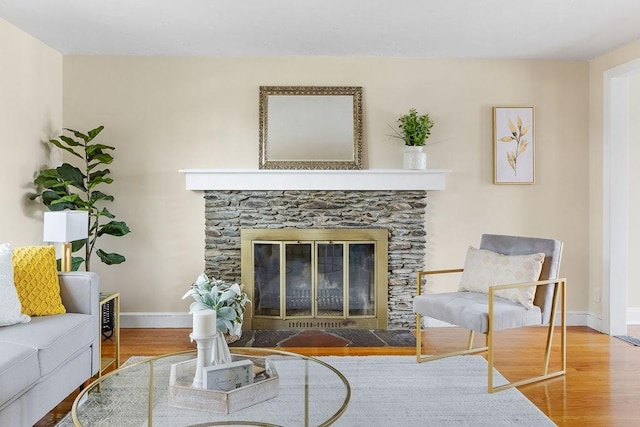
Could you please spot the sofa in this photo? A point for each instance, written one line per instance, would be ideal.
(44, 360)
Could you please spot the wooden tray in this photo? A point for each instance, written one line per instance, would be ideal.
(182, 395)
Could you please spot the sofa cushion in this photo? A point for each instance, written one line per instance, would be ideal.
(10, 307)
(57, 338)
(36, 277)
(18, 370)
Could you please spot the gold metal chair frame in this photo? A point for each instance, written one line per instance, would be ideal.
(560, 289)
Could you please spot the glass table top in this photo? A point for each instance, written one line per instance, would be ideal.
(310, 392)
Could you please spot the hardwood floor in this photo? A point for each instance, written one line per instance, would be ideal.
(601, 387)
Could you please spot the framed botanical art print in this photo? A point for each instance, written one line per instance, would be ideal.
(513, 145)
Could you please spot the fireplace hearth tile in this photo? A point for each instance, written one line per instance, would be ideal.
(314, 338)
(397, 338)
(358, 337)
(326, 338)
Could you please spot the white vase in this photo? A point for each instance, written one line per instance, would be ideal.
(220, 354)
(414, 157)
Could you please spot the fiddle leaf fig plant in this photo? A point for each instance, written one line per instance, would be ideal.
(76, 188)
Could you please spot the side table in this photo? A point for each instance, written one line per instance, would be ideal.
(105, 362)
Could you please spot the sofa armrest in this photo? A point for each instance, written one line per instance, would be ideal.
(80, 292)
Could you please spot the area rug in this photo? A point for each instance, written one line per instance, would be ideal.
(385, 391)
(629, 339)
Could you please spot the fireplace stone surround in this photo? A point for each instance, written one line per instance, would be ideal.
(374, 198)
(401, 213)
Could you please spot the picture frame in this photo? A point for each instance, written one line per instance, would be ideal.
(310, 127)
(513, 145)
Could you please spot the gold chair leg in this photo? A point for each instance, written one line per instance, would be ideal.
(470, 343)
(420, 358)
(418, 337)
(563, 343)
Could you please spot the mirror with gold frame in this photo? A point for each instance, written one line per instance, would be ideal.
(310, 127)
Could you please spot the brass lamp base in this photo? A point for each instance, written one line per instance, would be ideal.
(65, 259)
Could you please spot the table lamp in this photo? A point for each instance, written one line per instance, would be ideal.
(65, 227)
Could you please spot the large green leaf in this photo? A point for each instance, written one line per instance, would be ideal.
(94, 132)
(76, 262)
(50, 183)
(47, 176)
(110, 258)
(52, 200)
(97, 148)
(114, 228)
(65, 148)
(94, 182)
(73, 175)
(76, 245)
(99, 174)
(99, 177)
(72, 199)
(101, 158)
(70, 141)
(105, 212)
(78, 134)
(99, 195)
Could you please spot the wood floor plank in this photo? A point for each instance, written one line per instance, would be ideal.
(601, 387)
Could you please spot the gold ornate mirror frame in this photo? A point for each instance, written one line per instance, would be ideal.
(310, 127)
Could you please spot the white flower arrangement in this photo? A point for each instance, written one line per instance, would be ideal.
(227, 299)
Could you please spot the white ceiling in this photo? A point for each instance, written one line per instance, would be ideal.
(540, 29)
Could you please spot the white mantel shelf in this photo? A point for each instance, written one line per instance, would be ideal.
(348, 180)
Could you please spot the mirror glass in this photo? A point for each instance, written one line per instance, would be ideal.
(310, 127)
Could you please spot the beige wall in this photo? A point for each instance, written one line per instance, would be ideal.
(633, 290)
(597, 68)
(30, 112)
(164, 114)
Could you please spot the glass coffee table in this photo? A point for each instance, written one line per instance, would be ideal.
(310, 393)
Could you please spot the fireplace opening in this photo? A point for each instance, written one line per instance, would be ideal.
(315, 278)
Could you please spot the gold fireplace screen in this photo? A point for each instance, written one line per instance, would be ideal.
(315, 278)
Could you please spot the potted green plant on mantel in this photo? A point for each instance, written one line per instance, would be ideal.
(415, 129)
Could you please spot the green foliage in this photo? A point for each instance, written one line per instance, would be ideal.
(73, 188)
(227, 299)
(414, 128)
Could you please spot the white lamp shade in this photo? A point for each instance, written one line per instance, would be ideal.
(65, 226)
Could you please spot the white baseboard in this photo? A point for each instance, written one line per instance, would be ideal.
(156, 320)
(633, 316)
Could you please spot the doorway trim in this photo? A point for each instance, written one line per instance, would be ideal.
(615, 216)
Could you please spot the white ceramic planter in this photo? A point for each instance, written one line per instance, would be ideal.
(414, 157)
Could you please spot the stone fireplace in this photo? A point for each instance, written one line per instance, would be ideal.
(400, 213)
(394, 201)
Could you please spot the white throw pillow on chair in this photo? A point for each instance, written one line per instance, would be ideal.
(484, 268)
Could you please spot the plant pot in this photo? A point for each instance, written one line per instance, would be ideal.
(414, 157)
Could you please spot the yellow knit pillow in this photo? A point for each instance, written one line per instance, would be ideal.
(36, 278)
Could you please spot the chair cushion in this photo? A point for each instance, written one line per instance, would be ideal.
(10, 307)
(470, 310)
(36, 277)
(484, 268)
(56, 338)
(18, 369)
